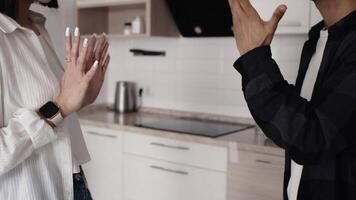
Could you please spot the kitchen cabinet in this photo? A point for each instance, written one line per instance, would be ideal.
(296, 19)
(110, 16)
(256, 176)
(186, 153)
(140, 166)
(104, 171)
(156, 168)
(151, 179)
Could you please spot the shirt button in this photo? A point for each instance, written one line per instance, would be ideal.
(78, 177)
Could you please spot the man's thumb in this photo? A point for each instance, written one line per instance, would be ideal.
(277, 15)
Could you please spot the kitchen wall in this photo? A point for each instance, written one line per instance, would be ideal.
(195, 75)
(57, 21)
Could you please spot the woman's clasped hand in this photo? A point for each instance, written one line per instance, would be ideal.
(85, 70)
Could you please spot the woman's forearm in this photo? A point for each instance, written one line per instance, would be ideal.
(25, 132)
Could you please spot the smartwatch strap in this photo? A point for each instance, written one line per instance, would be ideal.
(57, 119)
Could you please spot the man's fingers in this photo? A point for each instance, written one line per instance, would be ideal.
(277, 16)
(75, 45)
(236, 8)
(246, 6)
(68, 39)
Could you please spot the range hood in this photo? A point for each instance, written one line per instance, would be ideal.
(202, 18)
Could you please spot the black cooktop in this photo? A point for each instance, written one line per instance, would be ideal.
(193, 127)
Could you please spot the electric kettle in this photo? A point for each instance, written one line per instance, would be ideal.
(127, 97)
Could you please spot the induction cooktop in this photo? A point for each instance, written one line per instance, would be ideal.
(193, 127)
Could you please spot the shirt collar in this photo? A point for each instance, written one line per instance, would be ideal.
(9, 25)
(343, 26)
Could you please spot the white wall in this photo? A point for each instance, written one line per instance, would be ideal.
(196, 75)
(57, 21)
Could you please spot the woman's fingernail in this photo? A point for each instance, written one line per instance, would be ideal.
(85, 43)
(96, 63)
(76, 32)
(67, 32)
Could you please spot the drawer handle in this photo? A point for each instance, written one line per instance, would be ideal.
(264, 161)
(290, 24)
(101, 134)
(170, 146)
(169, 170)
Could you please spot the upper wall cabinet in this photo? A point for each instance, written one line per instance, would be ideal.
(296, 20)
(201, 18)
(110, 16)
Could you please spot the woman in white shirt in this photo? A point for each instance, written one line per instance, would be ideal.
(41, 144)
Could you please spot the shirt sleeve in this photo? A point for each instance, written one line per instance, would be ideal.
(24, 133)
(311, 132)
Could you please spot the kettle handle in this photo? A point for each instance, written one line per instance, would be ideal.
(140, 94)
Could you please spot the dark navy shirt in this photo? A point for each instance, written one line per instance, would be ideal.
(319, 134)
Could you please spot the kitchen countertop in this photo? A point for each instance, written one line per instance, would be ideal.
(247, 140)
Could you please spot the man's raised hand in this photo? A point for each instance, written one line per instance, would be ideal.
(249, 29)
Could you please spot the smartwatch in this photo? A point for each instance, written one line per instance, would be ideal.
(51, 112)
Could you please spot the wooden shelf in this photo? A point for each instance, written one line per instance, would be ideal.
(109, 16)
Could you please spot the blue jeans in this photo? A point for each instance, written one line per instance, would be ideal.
(81, 191)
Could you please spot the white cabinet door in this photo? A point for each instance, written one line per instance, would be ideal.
(296, 19)
(104, 171)
(149, 179)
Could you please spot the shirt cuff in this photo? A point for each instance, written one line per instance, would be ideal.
(39, 131)
(251, 64)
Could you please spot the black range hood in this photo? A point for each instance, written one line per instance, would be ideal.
(202, 18)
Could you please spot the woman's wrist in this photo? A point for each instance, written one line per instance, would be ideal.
(62, 109)
(52, 113)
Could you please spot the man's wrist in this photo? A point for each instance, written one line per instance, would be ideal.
(243, 51)
(249, 64)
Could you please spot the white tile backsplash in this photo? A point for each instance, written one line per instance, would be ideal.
(195, 75)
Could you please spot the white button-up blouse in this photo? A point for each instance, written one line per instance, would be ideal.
(36, 161)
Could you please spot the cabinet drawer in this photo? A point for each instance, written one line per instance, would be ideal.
(205, 156)
(296, 19)
(149, 179)
(256, 177)
(260, 160)
(101, 132)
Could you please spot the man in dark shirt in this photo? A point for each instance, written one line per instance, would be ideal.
(320, 133)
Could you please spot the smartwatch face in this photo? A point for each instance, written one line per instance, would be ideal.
(49, 110)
